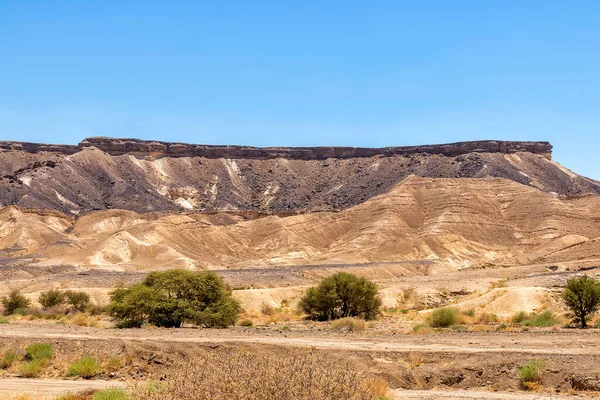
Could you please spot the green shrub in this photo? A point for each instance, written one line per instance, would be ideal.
(39, 351)
(545, 318)
(582, 297)
(77, 300)
(531, 372)
(33, 369)
(8, 359)
(246, 322)
(348, 324)
(14, 301)
(86, 367)
(469, 313)
(518, 317)
(110, 394)
(172, 298)
(342, 295)
(3, 321)
(422, 327)
(21, 311)
(51, 298)
(443, 317)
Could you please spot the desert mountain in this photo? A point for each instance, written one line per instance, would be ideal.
(455, 222)
(149, 176)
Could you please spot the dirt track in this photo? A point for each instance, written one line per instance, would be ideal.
(48, 388)
(536, 342)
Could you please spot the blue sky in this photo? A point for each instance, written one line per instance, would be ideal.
(268, 73)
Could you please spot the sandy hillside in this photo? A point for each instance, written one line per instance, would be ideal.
(459, 222)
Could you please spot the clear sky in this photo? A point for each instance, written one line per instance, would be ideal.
(303, 73)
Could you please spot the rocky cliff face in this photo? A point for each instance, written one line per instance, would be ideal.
(145, 176)
(164, 149)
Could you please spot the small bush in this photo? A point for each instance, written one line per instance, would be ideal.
(86, 367)
(545, 318)
(83, 395)
(3, 321)
(518, 317)
(246, 322)
(487, 318)
(39, 351)
(8, 359)
(267, 309)
(469, 313)
(33, 369)
(422, 329)
(443, 317)
(114, 363)
(349, 325)
(110, 394)
(14, 301)
(21, 311)
(531, 372)
(77, 300)
(51, 298)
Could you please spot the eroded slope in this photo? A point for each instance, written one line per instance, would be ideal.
(460, 222)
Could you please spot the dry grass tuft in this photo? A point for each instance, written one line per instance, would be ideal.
(234, 374)
(349, 325)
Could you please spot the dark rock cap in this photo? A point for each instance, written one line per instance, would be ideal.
(137, 147)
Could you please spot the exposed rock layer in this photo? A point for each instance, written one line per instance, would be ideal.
(164, 149)
(153, 148)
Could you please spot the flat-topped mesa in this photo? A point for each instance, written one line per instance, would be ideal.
(38, 147)
(115, 146)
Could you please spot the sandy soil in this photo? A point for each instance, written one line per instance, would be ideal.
(49, 388)
(473, 395)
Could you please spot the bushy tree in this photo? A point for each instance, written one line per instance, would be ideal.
(51, 298)
(342, 295)
(172, 298)
(14, 301)
(582, 296)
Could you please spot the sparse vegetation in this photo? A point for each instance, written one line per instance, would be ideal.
(582, 297)
(342, 295)
(14, 302)
(239, 375)
(518, 317)
(349, 324)
(443, 317)
(469, 313)
(3, 321)
(530, 373)
(246, 322)
(110, 394)
(267, 309)
(86, 367)
(8, 359)
(77, 300)
(39, 351)
(33, 368)
(172, 298)
(51, 298)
